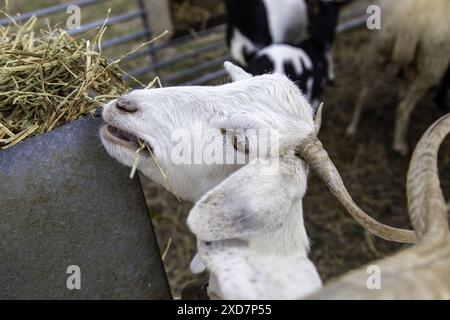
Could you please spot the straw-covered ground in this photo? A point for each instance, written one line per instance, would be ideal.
(374, 175)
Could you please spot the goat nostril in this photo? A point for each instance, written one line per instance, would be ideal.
(125, 105)
(99, 112)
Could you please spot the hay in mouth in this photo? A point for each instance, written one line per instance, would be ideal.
(122, 137)
(128, 139)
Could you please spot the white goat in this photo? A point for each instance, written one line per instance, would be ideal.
(251, 233)
(269, 101)
(239, 271)
(263, 102)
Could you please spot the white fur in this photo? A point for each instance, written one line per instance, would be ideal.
(282, 53)
(240, 208)
(269, 206)
(269, 99)
(240, 273)
(253, 224)
(236, 73)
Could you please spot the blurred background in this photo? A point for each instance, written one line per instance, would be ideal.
(193, 53)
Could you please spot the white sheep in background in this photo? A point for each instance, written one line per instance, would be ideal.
(413, 44)
(263, 102)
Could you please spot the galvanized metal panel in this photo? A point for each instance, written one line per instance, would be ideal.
(50, 10)
(64, 201)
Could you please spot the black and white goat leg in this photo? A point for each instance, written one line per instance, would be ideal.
(331, 73)
(441, 95)
(322, 21)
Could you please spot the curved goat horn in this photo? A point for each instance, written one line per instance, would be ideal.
(312, 151)
(423, 270)
(426, 204)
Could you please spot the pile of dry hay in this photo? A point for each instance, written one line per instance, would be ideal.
(48, 79)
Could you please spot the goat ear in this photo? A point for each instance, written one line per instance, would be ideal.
(254, 200)
(236, 73)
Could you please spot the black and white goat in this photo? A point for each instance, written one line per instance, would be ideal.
(306, 65)
(255, 24)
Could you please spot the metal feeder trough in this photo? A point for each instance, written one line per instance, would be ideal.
(73, 225)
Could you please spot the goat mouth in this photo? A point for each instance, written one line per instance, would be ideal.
(119, 136)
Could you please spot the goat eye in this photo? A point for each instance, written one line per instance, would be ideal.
(239, 147)
(223, 131)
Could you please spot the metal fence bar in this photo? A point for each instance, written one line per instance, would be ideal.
(351, 24)
(146, 26)
(206, 78)
(139, 72)
(50, 10)
(184, 39)
(111, 21)
(177, 58)
(178, 41)
(197, 69)
(124, 39)
(353, 13)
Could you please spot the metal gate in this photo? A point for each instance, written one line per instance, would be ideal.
(193, 59)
